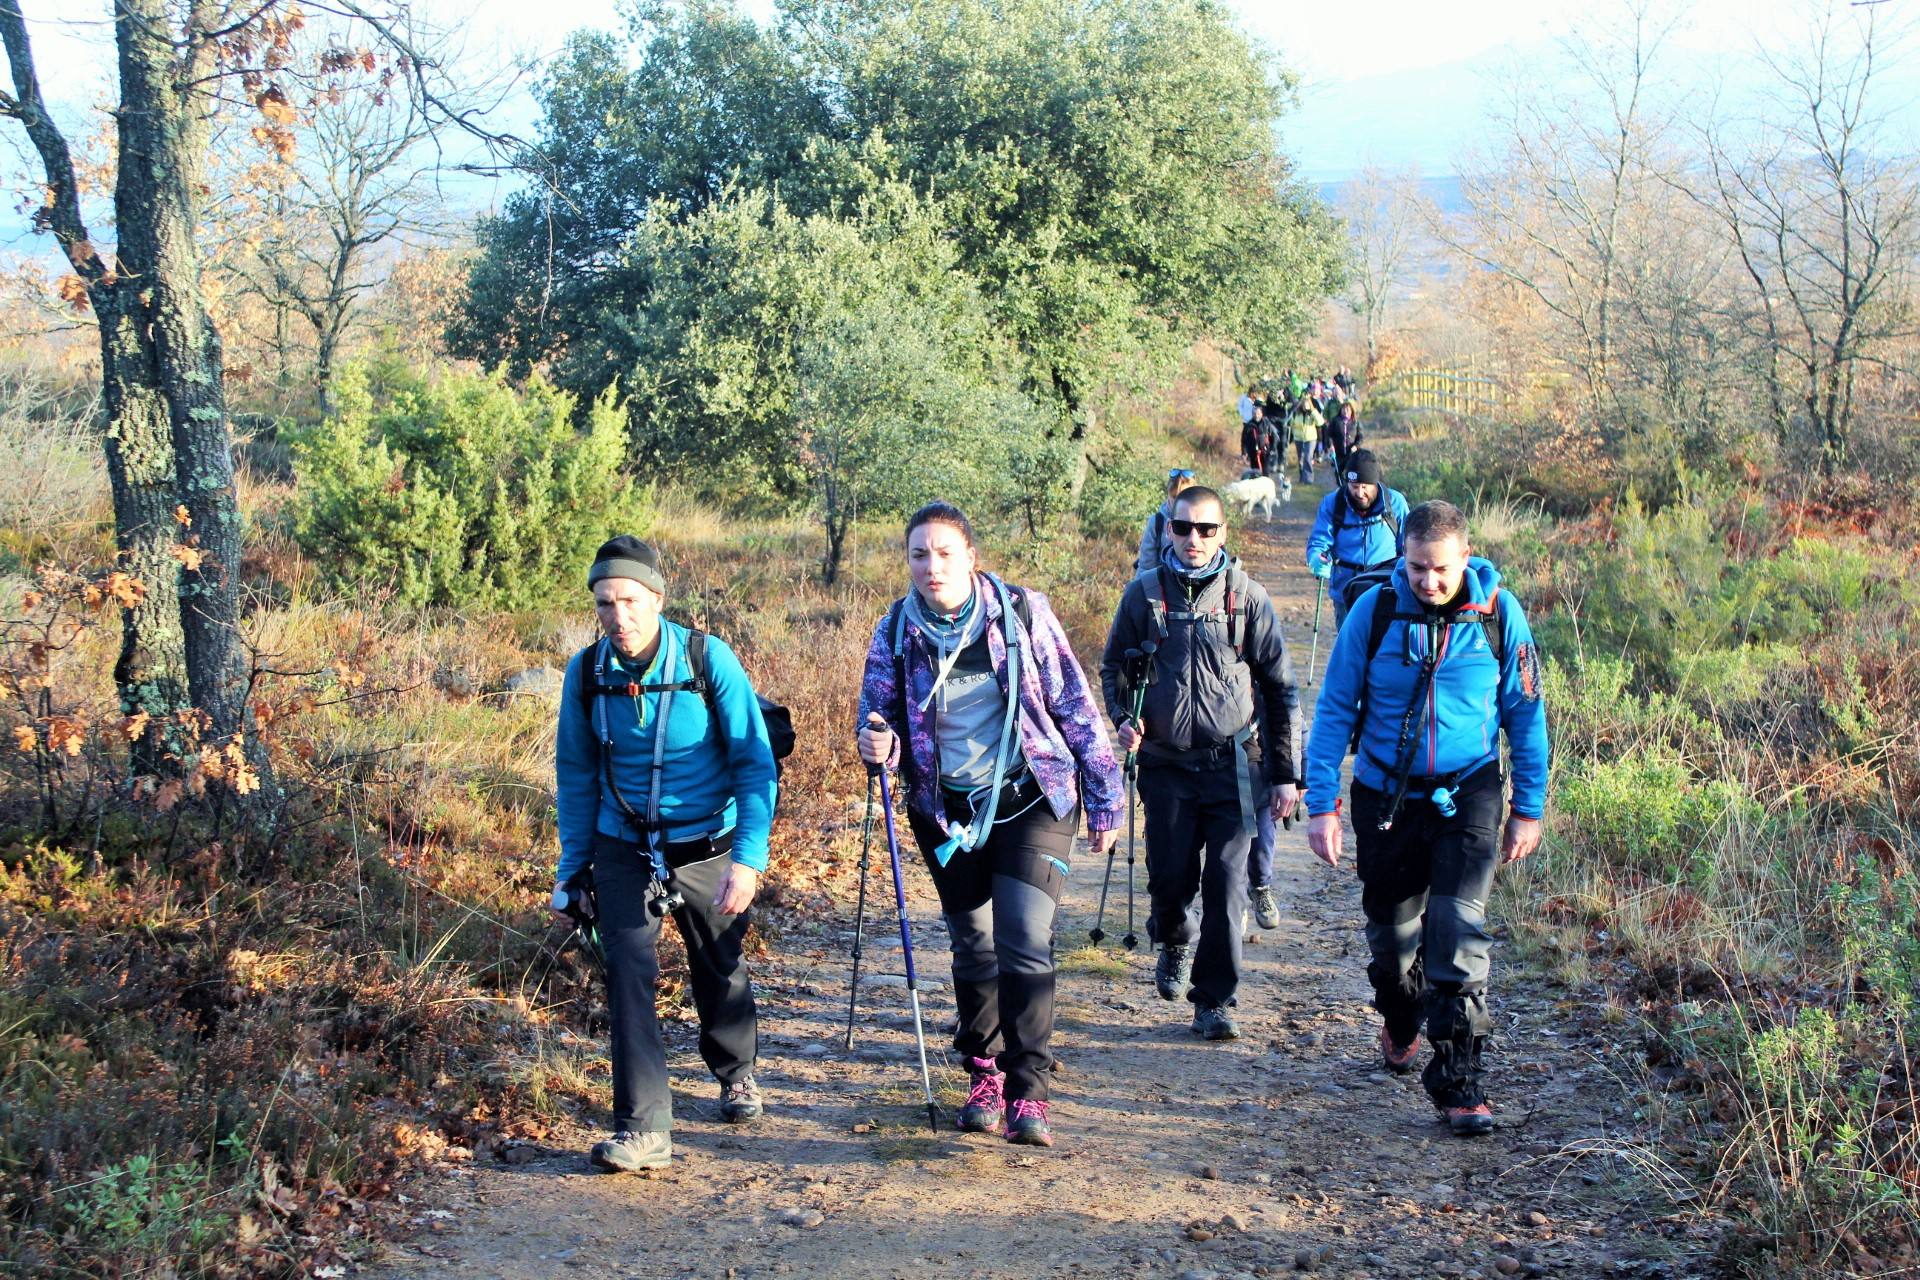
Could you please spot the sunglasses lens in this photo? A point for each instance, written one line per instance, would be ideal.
(1187, 527)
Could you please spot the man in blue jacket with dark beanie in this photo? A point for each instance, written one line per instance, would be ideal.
(1427, 672)
(665, 796)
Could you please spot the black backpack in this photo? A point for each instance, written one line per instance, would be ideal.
(779, 720)
(1378, 575)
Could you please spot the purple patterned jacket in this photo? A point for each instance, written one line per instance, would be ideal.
(1062, 732)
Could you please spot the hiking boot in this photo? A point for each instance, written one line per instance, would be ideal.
(1211, 1022)
(1173, 972)
(1266, 910)
(1028, 1125)
(630, 1152)
(1398, 1060)
(1470, 1122)
(986, 1101)
(740, 1101)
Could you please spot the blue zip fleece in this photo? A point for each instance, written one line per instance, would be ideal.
(1364, 539)
(714, 779)
(1471, 700)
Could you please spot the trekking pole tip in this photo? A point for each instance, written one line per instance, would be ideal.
(1096, 935)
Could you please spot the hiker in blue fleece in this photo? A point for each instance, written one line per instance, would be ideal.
(664, 791)
(1431, 669)
(1359, 526)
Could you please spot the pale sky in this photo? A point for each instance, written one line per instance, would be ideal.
(1364, 37)
(1396, 81)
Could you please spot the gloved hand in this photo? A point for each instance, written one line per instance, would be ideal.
(1321, 568)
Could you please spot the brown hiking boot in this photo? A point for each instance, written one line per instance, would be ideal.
(1470, 1122)
(1398, 1060)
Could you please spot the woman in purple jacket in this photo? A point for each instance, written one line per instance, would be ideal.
(995, 784)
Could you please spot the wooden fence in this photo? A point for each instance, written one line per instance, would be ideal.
(1464, 390)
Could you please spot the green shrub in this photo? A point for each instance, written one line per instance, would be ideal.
(142, 1213)
(1599, 710)
(1650, 814)
(1121, 491)
(1880, 910)
(461, 490)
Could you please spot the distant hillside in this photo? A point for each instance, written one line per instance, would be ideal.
(1444, 191)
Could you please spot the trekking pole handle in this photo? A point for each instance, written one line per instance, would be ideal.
(874, 721)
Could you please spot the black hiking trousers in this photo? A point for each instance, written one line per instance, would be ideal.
(717, 973)
(1197, 846)
(999, 901)
(1424, 887)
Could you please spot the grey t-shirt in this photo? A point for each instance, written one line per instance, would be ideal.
(972, 712)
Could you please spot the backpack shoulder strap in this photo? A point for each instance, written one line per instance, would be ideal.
(1339, 509)
(1496, 629)
(1386, 605)
(588, 679)
(1386, 512)
(1022, 608)
(1156, 594)
(697, 668)
(897, 627)
(1239, 609)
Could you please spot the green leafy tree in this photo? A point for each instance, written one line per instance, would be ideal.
(712, 100)
(839, 357)
(462, 491)
(1107, 174)
(1110, 170)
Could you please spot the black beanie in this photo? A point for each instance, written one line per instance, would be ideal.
(627, 557)
(1363, 468)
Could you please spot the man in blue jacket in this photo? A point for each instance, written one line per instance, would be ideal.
(1360, 525)
(665, 799)
(1425, 675)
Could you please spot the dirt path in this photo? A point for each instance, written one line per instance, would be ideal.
(1289, 1149)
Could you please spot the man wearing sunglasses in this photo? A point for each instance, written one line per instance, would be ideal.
(1218, 656)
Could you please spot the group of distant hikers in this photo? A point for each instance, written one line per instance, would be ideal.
(668, 766)
(1319, 417)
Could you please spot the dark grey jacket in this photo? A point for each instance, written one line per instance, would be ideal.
(1204, 694)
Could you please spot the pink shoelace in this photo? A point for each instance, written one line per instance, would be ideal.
(989, 1090)
(1025, 1107)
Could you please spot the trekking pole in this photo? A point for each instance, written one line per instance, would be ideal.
(860, 913)
(1313, 663)
(581, 905)
(1098, 933)
(906, 949)
(1132, 772)
(1132, 939)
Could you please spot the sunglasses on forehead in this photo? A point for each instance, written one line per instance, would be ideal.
(1180, 473)
(1205, 528)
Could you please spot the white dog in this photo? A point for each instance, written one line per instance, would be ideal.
(1258, 491)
